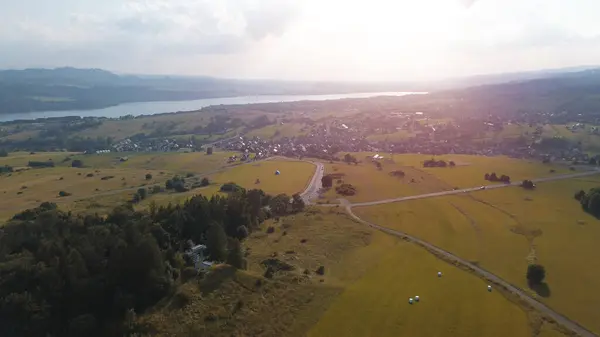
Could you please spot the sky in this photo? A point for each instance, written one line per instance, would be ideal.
(347, 40)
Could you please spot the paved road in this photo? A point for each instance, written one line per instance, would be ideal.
(573, 326)
(312, 190)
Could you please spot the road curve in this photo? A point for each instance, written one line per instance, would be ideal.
(312, 191)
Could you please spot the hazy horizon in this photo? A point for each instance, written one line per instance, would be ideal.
(329, 40)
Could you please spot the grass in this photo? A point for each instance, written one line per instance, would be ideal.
(392, 137)
(290, 304)
(295, 176)
(29, 188)
(196, 162)
(20, 159)
(373, 184)
(506, 229)
(278, 131)
(457, 304)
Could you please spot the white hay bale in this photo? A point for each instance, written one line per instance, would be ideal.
(410, 300)
(417, 298)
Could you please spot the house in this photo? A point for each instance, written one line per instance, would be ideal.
(197, 255)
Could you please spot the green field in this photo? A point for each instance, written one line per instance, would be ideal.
(457, 304)
(506, 229)
(278, 131)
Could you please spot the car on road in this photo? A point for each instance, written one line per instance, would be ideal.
(482, 188)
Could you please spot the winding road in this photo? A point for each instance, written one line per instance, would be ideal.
(311, 193)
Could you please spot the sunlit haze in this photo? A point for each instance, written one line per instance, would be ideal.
(304, 40)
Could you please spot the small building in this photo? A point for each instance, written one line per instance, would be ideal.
(197, 255)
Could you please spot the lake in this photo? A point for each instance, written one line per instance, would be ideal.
(151, 108)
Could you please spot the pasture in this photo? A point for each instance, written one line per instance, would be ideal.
(277, 131)
(333, 241)
(374, 184)
(457, 304)
(504, 230)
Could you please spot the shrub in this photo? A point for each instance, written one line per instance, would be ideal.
(579, 195)
(189, 175)
(40, 164)
(231, 187)
(270, 229)
(528, 184)
(535, 274)
(6, 169)
(346, 189)
(320, 270)
(242, 232)
(142, 193)
(107, 177)
(3, 153)
(148, 176)
(156, 189)
(204, 182)
(89, 175)
(327, 181)
(77, 163)
(398, 173)
(63, 194)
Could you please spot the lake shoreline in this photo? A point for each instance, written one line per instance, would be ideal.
(154, 108)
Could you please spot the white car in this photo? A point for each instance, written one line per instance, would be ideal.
(482, 188)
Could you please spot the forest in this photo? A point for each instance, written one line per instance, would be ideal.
(63, 274)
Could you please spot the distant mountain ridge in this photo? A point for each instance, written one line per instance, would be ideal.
(67, 88)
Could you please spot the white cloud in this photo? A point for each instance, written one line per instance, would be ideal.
(308, 39)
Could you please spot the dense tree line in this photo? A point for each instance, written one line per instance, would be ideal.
(69, 275)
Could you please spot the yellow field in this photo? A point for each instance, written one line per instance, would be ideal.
(29, 188)
(504, 230)
(458, 304)
(373, 184)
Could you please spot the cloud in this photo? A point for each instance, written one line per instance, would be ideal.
(146, 29)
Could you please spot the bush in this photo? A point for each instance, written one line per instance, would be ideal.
(189, 175)
(3, 153)
(231, 187)
(270, 230)
(63, 194)
(528, 184)
(327, 181)
(579, 195)
(204, 182)
(77, 163)
(535, 274)
(107, 177)
(156, 189)
(320, 270)
(40, 164)
(148, 176)
(346, 189)
(398, 173)
(142, 193)
(242, 232)
(6, 169)
(89, 175)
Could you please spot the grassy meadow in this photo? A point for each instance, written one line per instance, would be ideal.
(374, 184)
(504, 230)
(457, 304)
(277, 131)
